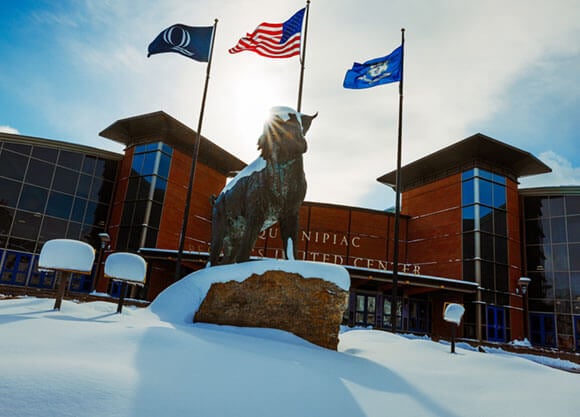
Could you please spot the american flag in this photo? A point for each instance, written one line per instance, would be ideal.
(274, 40)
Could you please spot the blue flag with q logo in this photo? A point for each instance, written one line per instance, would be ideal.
(383, 70)
(192, 42)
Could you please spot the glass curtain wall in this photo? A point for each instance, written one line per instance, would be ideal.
(48, 193)
(552, 242)
(485, 253)
(145, 195)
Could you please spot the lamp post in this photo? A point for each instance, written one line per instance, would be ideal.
(523, 283)
(105, 239)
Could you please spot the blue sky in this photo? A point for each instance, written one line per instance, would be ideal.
(509, 70)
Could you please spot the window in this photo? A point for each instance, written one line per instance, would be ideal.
(484, 219)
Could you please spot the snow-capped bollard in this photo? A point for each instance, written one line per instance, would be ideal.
(453, 314)
(65, 256)
(127, 268)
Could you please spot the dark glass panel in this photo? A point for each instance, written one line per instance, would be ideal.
(467, 174)
(487, 275)
(91, 213)
(564, 323)
(33, 198)
(563, 306)
(539, 258)
(541, 305)
(109, 171)
(160, 187)
(572, 204)
(562, 285)
(89, 164)
(39, 173)
(499, 196)
(84, 186)
(53, 229)
(535, 207)
(12, 165)
(59, 205)
(139, 214)
(560, 257)
(504, 300)
(101, 215)
(541, 285)
(574, 256)
(21, 244)
(501, 250)
(78, 211)
(151, 239)
(573, 228)
(65, 180)
(468, 246)
(97, 183)
(499, 222)
(127, 216)
(6, 216)
(467, 192)
(501, 278)
(73, 231)
(575, 285)
(486, 242)
(155, 215)
(70, 160)
(556, 206)
(123, 238)
(537, 231)
(18, 147)
(134, 238)
(144, 188)
(132, 189)
(164, 163)
(468, 216)
(105, 193)
(558, 229)
(46, 154)
(9, 192)
(485, 219)
(469, 271)
(26, 225)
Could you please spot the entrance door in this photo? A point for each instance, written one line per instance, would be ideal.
(543, 330)
(15, 268)
(495, 324)
(365, 310)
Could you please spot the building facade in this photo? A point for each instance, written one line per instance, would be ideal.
(467, 233)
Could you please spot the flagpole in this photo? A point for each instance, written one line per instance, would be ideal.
(303, 57)
(398, 195)
(177, 275)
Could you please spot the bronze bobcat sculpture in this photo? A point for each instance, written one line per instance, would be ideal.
(269, 190)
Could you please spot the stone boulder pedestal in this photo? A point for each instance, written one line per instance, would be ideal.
(311, 308)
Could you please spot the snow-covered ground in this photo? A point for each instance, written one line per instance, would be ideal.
(86, 360)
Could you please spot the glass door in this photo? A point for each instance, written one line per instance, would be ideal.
(495, 324)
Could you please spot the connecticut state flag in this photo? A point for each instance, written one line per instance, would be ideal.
(383, 70)
(189, 41)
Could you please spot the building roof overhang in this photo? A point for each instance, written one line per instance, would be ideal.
(159, 126)
(478, 148)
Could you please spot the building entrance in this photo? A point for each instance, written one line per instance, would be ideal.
(495, 324)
